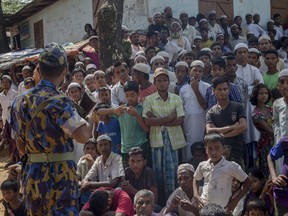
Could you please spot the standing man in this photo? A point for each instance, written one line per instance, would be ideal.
(188, 31)
(169, 14)
(163, 113)
(26, 72)
(6, 97)
(227, 117)
(46, 122)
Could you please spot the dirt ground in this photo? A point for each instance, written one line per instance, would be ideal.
(3, 175)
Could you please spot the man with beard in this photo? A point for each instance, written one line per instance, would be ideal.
(182, 200)
(134, 39)
(169, 16)
(188, 31)
(235, 36)
(213, 26)
(157, 25)
(177, 37)
(265, 44)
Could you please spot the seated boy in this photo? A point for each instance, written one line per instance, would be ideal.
(218, 174)
(107, 201)
(138, 176)
(86, 161)
(12, 203)
(133, 129)
(256, 207)
(107, 169)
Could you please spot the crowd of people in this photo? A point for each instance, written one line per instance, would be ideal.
(192, 122)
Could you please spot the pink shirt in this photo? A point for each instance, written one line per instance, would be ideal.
(146, 92)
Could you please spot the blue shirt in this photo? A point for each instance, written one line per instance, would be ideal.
(234, 95)
(112, 129)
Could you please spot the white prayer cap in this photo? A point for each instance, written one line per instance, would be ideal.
(181, 63)
(124, 27)
(186, 166)
(283, 73)
(250, 32)
(264, 37)
(99, 72)
(198, 37)
(141, 52)
(73, 85)
(197, 63)
(240, 45)
(182, 52)
(271, 21)
(163, 54)
(203, 20)
(157, 57)
(6, 77)
(104, 137)
(26, 68)
(206, 49)
(89, 77)
(183, 12)
(140, 56)
(223, 17)
(175, 23)
(144, 68)
(234, 25)
(254, 50)
(156, 13)
(212, 12)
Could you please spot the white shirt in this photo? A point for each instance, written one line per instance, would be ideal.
(182, 195)
(112, 168)
(279, 30)
(21, 88)
(118, 94)
(256, 29)
(218, 180)
(172, 49)
(190, 32)
(195, 116)
(6, 102)
(185, 46)
(249, 73)
(215, 29)
(263, 67)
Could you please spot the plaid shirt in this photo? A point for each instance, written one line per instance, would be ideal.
(155, 104)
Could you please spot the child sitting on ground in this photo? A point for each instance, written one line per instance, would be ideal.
(12, 203)
(256, 207)
(86, 162)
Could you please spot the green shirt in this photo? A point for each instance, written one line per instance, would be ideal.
(132, 135)
(271, 80)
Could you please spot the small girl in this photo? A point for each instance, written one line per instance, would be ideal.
(236, 188)
(256, 207)
(260, 189)
(262, 120)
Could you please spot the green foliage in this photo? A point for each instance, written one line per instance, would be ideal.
(12, 6)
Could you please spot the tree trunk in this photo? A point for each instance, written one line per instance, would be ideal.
(4, 45)
(110, 37)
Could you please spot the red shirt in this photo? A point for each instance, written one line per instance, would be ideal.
(121, 202)
(146, 92)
